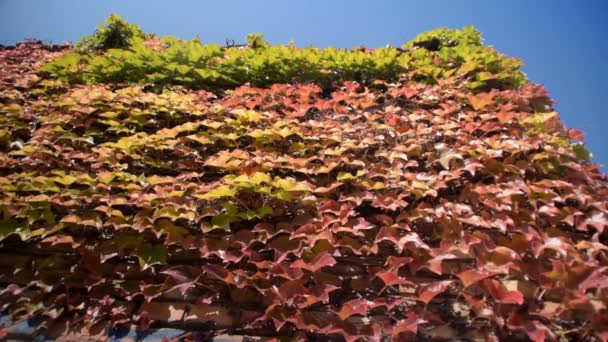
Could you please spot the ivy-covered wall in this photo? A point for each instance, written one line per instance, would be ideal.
(428, 192)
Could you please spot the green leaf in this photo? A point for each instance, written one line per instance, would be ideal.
(247, 115)
(581, 152)
(347, 175)
(254, 214)
(282, 195)
(150, 255)
(14, 227)
(539, 118)
(66, 180)
(12, 108)
(220, 191)
(221, 221)
(289, 185)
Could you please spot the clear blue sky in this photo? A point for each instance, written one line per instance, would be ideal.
(563, 43)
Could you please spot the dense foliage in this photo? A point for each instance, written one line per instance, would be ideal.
(168, 60)
(427, 192)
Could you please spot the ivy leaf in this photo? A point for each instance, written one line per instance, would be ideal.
(581, 152)
(201, 139)
(247, 115)
(446, 157)
(347, 176)
(409, 324)
(576, 134)
(470, 277)
(319, 261)
(353, 307)
(219, 192)
(66, 180)
(13, 227)
(428, 292)
(150, 255)
(221, 221)
(500, 293)
(12, 108)
(539, 118)
(391, 278)
(253, 214)
(481, 101)
(155, 180)
(597, 280)
(106, 177)
(289, 185)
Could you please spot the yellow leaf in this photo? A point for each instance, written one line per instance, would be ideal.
(347, 175)
(289, 185)
(154, 180)
(539, 118)
(203, 140)
(220, 191)
(247, 115)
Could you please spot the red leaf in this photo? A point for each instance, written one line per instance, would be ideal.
(596, 280)
(319, 261)
(600, 325)
(322, 291)
(219, 272)
(362, 224)
(353, 307)
(537, 332)
(598, 221)
(475, 304)
(291, 289)
(576, 134)
(404, 91)
(154, 44)
(412, 238)
(408, 325)
(394, 263)
(428, 292)
(470, 277)
(435, 264)
(500, 293)
(351, 86)
(390, 278)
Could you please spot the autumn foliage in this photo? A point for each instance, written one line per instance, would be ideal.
(420, 193)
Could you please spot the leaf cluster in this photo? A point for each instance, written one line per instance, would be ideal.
(115, 34)
(167, 60)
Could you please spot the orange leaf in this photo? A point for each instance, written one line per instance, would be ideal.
(481, 101)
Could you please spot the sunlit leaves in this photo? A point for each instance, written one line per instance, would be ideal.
(539, 118)
(139, 57)
(220, 191)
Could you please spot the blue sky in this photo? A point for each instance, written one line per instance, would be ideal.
(563, 43)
